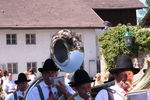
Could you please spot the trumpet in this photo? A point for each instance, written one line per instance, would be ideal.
(141, 85)
(131, 86)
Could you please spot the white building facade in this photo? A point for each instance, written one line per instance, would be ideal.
(26, 28)
(22, 49)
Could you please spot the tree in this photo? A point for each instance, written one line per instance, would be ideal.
(148, 4)
(112, 43)
(142, 12)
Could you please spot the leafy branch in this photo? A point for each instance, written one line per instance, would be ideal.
(112, 43)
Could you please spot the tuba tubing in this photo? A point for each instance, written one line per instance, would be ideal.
(67, 50)
(144, 82)
(142, 85)
(67, 53)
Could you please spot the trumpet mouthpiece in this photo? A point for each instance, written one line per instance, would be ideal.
(127, 82)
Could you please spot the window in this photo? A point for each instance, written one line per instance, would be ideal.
(32, 65)
(12, 68)
(98, 66)
(11, 39)
(30, 39)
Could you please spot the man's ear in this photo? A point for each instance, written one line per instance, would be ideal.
(115, 76)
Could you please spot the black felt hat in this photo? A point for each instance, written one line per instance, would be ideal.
(49, 65)
(124, 63)
(80, 77)
(22, 78)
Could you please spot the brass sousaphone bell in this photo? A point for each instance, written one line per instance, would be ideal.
(67, 53)
(67, 50)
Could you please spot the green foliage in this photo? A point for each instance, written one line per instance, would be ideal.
(143, 39)
(148, 3)
(112, 43)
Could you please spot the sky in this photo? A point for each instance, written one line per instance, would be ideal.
(142, 1)
(138, 15)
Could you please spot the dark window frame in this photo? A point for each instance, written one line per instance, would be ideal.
(32, 65)
(30, 39)
(11, 39)
(12, 68)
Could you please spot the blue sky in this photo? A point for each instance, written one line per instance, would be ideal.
(138, 15)
(142, 1)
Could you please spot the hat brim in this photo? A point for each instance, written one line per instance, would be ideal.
(74, 84)
(110, 80)
(74, 62)
(118, 70)
(20, 81)
(44, 70)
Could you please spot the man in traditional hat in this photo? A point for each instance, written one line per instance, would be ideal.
(45, 90)
(123, 74)
(81, 83)
(22, 84)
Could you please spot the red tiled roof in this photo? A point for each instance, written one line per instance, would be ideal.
(114, 4)
(47, 14)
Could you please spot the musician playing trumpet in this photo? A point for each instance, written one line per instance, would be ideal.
(123, 74)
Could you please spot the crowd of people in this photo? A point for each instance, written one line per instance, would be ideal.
(79, 87)
(9, 86)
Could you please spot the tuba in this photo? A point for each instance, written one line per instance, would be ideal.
(141, 89)
(67, 50)
(67, 53)
(144, 82)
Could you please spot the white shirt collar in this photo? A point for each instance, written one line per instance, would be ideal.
(43, 84)
(118, 89)
(20, 93)
(78, 98)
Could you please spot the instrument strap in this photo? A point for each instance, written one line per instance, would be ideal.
(40, 92)
(15, 96)
(110, 93)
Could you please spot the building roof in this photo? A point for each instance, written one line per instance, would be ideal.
(47, 14)
(146, 20)
(115, 4)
